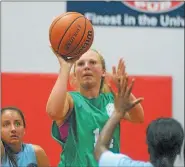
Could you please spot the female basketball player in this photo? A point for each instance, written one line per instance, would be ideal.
(79, 116)
(15, 153)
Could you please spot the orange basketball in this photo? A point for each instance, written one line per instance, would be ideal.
(71, 34)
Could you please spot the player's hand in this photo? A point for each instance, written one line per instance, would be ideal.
(65, 61)
(122, 101)
(118, 72)
(114, 77)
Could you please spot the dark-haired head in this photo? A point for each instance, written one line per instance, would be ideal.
(14, 109)
(164, 138)
(12, 131)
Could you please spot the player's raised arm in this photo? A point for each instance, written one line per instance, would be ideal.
(59, 102)
(70, 34)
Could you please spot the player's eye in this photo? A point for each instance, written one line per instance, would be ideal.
(6, 124)
(93, 62)
(17, 124)
(80, 63)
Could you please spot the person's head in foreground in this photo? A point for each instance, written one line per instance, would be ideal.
(164, 138)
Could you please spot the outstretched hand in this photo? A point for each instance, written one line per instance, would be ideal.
(122, 101)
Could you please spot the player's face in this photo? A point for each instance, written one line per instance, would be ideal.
(12, 127)
(88, 69)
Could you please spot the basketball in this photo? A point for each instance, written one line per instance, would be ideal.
(71, 34)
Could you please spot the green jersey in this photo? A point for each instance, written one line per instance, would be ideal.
(79, 134)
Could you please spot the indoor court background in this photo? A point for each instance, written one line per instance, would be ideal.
(153, 55)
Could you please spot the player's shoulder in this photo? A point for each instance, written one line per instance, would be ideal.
(38, 149)
(74, 93)
(107, 95)
(109, 158)
(77, 95)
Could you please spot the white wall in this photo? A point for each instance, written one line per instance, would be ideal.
(147, 51)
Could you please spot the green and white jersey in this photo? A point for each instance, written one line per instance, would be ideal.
(79, 134)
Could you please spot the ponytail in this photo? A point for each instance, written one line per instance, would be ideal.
(107, 84)
(10, 154)
(104, 88)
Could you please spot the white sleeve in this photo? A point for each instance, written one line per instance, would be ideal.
(109, 159)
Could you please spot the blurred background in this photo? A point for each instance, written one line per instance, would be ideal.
(148, 35)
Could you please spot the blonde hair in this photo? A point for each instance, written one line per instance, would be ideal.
(103, 85)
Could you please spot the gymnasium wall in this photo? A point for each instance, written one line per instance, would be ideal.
(155, 56)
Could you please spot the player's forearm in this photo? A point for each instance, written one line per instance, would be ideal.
(106, 134)
(136, 114)
(58, 94)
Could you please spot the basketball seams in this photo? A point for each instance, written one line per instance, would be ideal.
(66, 32)
(87, 23)
(51, 28)
(80, 39)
